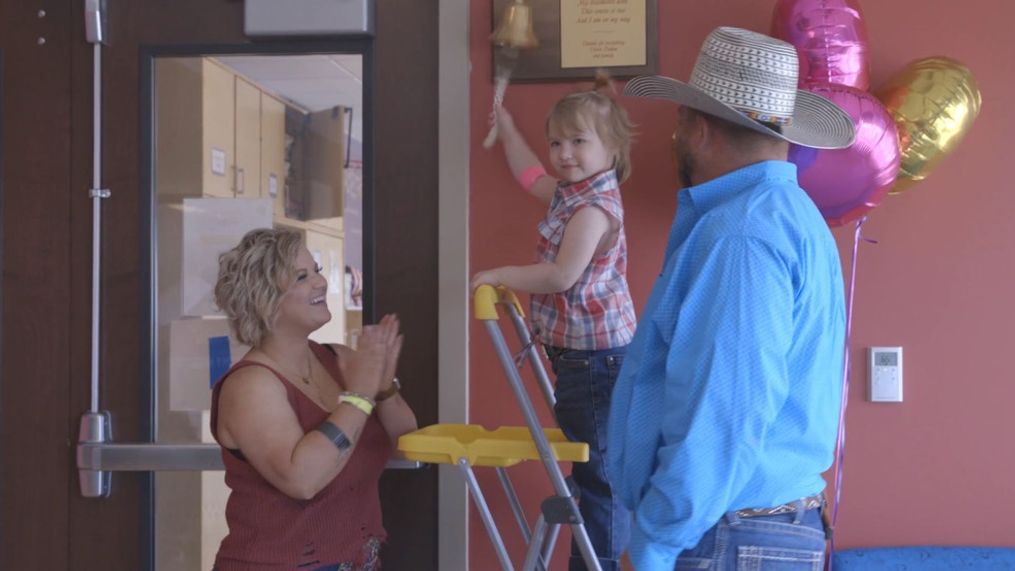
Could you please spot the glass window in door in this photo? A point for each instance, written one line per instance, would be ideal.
(241, 142)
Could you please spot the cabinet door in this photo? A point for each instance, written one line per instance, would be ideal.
(272, 177)
(178, 138)
(247, 172)
(218, 132)
(324, 166)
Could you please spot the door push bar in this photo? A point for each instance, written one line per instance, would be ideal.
(98, 457)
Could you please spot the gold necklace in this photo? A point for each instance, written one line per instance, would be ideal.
(310, 368)
(310, 371)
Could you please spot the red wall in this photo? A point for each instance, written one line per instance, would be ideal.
(936, 469)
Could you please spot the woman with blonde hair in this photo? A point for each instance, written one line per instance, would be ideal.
(305, 429)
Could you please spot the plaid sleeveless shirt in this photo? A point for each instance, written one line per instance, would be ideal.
(596, 312)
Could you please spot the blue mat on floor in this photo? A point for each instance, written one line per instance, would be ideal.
(925, 558)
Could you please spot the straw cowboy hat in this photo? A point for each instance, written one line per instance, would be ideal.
(750, 79)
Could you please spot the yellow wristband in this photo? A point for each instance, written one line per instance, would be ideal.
(359, 401)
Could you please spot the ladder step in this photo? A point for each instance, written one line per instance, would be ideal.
(505, 446)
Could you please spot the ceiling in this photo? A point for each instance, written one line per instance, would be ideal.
(314, 82)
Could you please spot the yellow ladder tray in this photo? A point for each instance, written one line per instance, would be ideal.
(505, 446)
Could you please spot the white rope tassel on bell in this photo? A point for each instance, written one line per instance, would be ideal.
(498, 100)
(514, 32)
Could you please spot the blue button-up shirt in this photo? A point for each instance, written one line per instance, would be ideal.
(729, 396)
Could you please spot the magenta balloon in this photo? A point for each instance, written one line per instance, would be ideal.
(830, 37)
(847, 183)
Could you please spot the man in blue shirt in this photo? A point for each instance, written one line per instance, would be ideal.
(725, 412)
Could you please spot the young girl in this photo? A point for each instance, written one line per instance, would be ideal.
(580, 303)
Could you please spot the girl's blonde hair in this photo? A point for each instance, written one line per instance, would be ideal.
(595, 109)
(252, 278)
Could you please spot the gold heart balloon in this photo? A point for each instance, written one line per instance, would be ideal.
(934, 101)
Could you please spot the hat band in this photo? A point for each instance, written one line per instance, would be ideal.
(765, 118)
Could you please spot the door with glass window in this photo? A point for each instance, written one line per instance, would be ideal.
(206, 135)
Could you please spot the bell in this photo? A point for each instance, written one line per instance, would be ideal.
(515, 29)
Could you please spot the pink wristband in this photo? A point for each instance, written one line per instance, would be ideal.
(530, 175)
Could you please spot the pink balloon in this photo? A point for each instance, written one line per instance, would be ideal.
(830, 37)
(847, 183)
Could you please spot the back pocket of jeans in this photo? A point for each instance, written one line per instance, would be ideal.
(754, 558)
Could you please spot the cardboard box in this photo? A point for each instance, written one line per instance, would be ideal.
(212, 226)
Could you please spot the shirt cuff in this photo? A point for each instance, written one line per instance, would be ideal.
(649, 556)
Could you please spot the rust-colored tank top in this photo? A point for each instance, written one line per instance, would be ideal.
(270, 530)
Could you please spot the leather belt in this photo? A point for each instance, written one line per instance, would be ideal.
(809, 502)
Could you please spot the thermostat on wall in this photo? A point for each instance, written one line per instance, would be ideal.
(884, 374)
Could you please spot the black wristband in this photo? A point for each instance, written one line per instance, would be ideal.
(335, 435)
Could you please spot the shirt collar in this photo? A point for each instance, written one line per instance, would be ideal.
(709, 194)
(605, 179)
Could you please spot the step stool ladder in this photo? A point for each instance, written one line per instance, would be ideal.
(468, 446)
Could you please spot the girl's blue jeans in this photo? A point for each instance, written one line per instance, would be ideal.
(585, 382)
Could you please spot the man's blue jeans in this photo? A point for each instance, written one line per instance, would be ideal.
(784, 542)
(585, 382)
